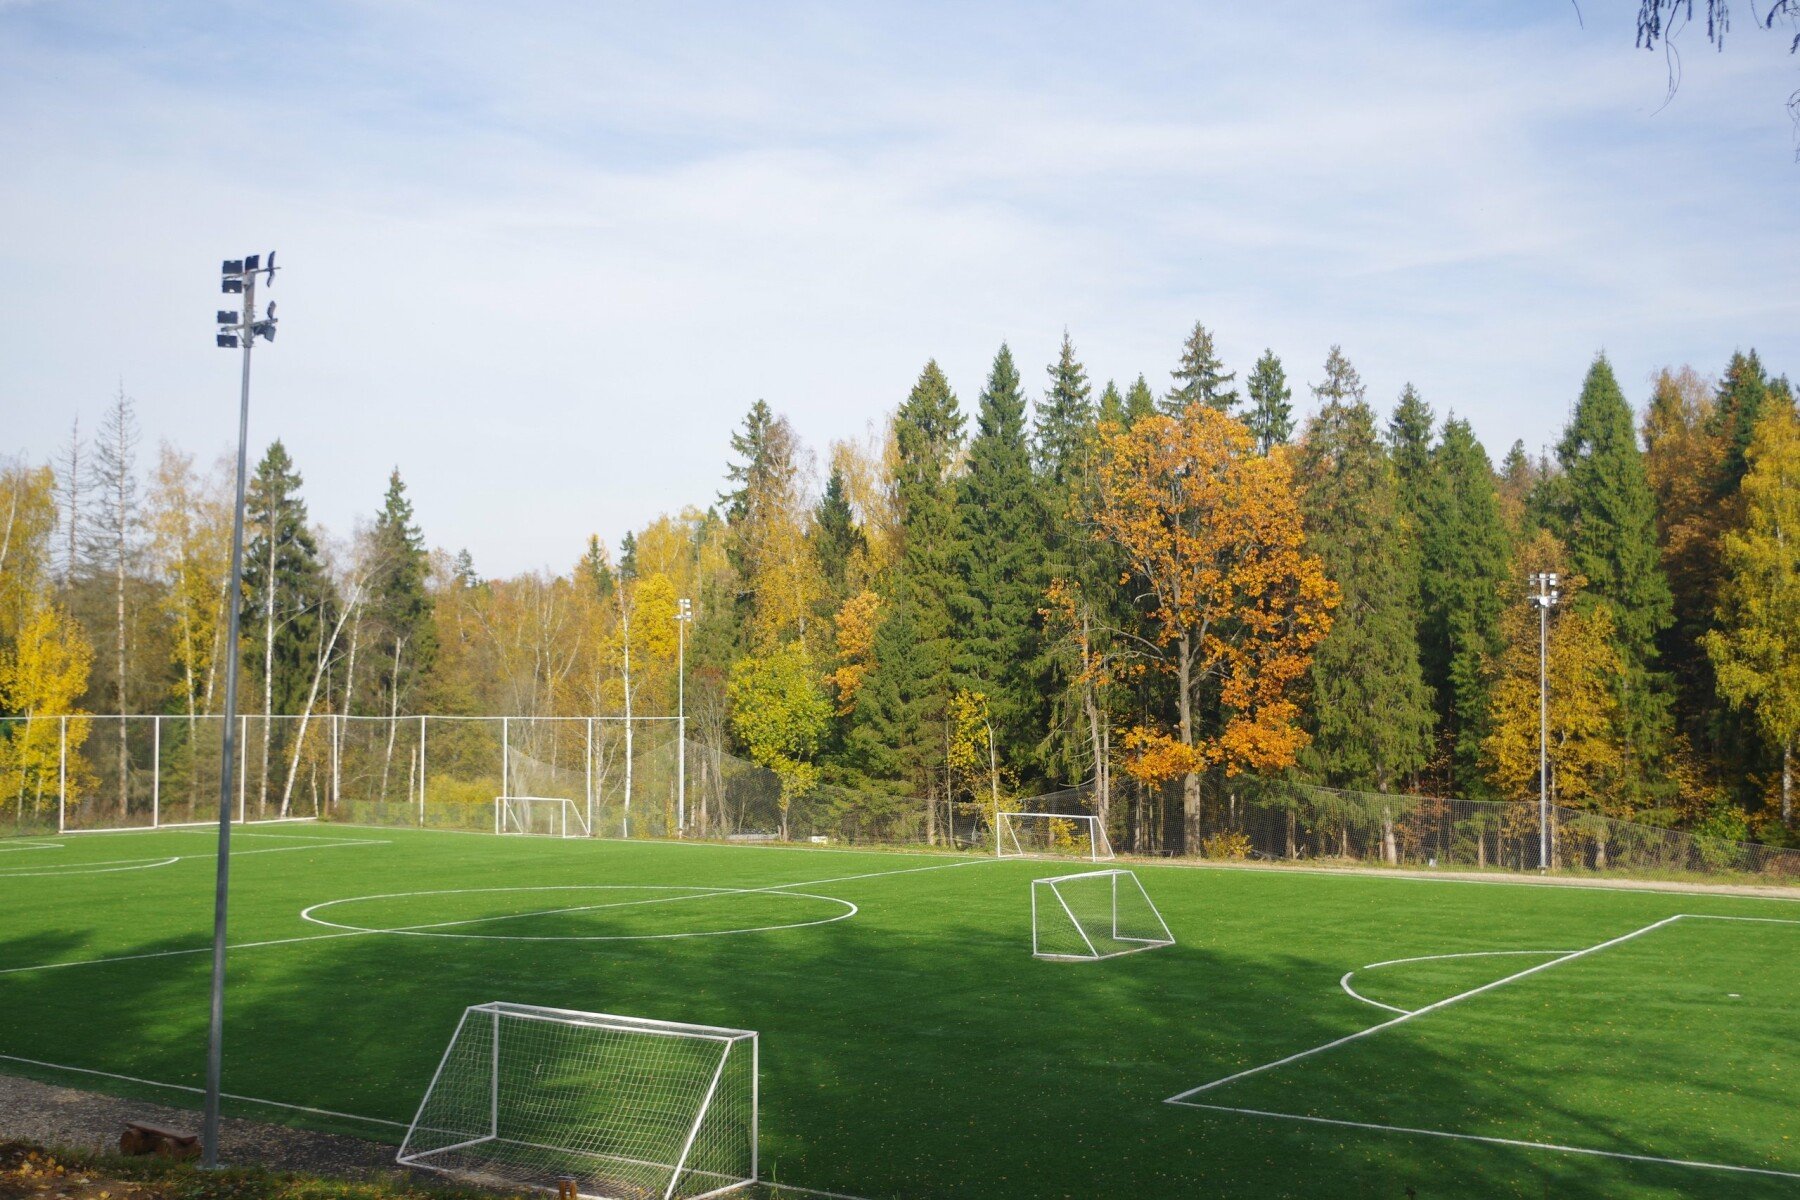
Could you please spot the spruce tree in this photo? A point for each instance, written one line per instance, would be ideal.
(1371, 718)
(1002, 527)
(899, 717)
(401, 637)
(1743, 398)
(1140, 402)
(1607, 513)
(1112, 404)
(1065, 421)
(1465, 556)
(837, 538)
(1201, 377)
(1271, 415)
(1409, 439)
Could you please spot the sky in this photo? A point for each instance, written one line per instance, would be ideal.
(542, 258)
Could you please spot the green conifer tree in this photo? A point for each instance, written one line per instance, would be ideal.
(1140, 401)
(286, 594)
(399, 632)
(1371, 718)
(1271, 415)
(837, 539)
(1201, 377)
(1607, 516)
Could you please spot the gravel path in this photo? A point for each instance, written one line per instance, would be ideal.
(58, 1116)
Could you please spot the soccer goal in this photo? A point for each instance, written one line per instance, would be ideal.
(1030, 834)
(546, 816)
(1096, 914)
(630, 1109)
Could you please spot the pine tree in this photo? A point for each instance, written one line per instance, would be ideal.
(1271, 415)
(1003, 555)
(1371, 719)
(767, 517)
(1201, 377)
(1607, 514)
(402, 637)
(1465, 556)
(1342, 384)
(1112, 404)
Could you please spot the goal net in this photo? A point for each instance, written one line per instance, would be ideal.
(629, 1108)
(546, 816)
(1096, 914)
(1030, 834)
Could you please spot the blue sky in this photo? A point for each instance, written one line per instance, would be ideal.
(543, 257)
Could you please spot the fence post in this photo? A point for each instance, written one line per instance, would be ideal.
(505, 755)
(244, 767)
(155, 771)
(421, 772)
(587, 780)
(62, 777)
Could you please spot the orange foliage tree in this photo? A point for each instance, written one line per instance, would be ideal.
(1233, 604)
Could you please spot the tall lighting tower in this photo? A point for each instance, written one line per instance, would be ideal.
(684, 614)
(236, 330)
(1545, 597)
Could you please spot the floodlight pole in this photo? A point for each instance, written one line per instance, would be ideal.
(247, 330)
(684, 612)
(1545, 596)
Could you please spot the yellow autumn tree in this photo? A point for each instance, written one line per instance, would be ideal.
(855, 626)
(189, 522)
(1588, 753)
(1756, 649)
(780, 714)
(1234, 604)
(43, 673)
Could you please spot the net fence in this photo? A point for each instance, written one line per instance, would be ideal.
(626, 779)
(630, 1109)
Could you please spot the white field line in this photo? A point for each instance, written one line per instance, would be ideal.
(1496, 1141)
(699, 843)
(141, 864)
(1419, 1012)
(183, 1087)
(1394, 962)
(320, 937)
(24, 845)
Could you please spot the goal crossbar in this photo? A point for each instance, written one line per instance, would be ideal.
(630, 1108)
(1052, 835)
(1093, 915)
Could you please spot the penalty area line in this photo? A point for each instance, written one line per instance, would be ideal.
(1519, 1143)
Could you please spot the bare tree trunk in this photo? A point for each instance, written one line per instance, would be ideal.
(1190, 783)
(1787, 784)
(312, 695)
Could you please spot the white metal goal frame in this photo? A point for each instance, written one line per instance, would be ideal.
(1050, 835)
(561, 816)
(441, 1138)
(1099, 927)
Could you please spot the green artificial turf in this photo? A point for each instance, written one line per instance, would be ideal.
(914, 1047)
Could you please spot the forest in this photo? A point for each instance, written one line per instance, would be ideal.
(1154, 595)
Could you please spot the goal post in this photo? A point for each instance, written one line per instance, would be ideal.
(545, 816)
(1094, 915)
(627, 1107)
(1050, 835)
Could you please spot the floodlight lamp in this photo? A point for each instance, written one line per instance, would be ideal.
(271, 266)
(227, 317)
(252, 262)
(228, 341)
(232, 266)
(231, 287)
(263, 329)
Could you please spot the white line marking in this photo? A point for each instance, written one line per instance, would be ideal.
(690, 893)
(182, 1087)
(1419, 1012)
(1756, 920)
(102, 868)
(24, 845)
(1497, 1141)
(1394, 962)
(321, 937)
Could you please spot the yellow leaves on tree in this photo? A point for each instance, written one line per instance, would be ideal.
(780, 715)
(27, 521)
(855, 625)
(1756, 649)
(1235, 604)
(190, 542)
(1152, 756)
(43, 673)
(1587, 750)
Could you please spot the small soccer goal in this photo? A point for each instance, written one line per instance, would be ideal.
(1050, 835)
(628, 1108)
(1096, 914)
(545, 816)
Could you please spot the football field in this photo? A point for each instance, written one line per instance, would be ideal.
(1308, 1034)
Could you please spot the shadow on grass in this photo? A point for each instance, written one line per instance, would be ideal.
(917, 1050)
